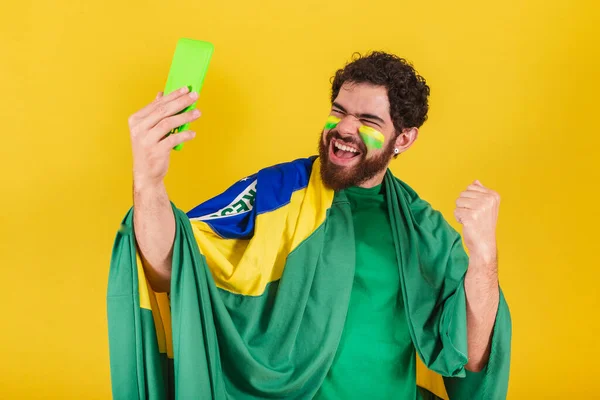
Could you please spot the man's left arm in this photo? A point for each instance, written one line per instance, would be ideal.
(477, 211)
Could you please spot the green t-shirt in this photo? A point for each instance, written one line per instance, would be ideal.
(375, 358)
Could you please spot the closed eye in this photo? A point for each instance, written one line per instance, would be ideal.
(365, 118)
(366, 121)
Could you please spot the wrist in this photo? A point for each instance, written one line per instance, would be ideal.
(483, 252)
(142, 186)
(484, 258)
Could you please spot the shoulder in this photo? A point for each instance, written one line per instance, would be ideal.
(231, 212)
(279, 181)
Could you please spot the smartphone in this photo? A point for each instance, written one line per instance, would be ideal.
(188, 68)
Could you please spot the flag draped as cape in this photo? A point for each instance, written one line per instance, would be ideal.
(261, 281)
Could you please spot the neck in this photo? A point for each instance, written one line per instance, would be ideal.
(374, 181)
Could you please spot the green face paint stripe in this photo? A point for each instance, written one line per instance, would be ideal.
(372, 137)
(332, 122)
(370, 142)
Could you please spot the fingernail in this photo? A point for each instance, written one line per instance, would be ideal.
(194, 95)
(184, 89)
(195, 113)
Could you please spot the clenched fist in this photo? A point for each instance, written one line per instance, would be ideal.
(149, 128)
(477, 211)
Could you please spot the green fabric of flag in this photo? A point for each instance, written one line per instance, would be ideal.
(214, 342)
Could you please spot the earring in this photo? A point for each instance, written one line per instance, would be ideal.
(396, 151)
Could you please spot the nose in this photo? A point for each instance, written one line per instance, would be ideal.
(348, 126)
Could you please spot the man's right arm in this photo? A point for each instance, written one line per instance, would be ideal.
(154, 227)
(153, 218)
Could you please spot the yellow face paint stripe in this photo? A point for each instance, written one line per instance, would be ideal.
(372, 137)
(332, 122)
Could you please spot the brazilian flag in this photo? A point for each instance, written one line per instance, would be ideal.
(261, 280)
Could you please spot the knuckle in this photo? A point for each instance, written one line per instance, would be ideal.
(172, 141)
(181, 137)
(182, 119)
(135, 131)
(192, 115)
(162, 110)
(164, 124)
(132, 120)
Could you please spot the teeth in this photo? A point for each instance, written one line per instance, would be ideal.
(345, 148)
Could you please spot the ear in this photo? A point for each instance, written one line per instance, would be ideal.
(406, 139)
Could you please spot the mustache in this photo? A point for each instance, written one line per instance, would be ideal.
(334, 134)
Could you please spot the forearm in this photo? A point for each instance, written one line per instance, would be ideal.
(482, 295)
(154, 225)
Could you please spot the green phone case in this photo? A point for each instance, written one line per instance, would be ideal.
(188, 68)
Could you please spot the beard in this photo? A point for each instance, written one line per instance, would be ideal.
(338, 177)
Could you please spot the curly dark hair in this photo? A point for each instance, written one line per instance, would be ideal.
(407, 91)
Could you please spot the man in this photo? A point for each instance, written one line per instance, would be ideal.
(324, 277)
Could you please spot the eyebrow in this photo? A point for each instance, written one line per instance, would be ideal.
(367, 116)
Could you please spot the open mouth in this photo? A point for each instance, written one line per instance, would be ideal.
(342, 152)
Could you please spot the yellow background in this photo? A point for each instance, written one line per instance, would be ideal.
(514, 104)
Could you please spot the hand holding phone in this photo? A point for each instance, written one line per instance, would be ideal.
(149, 128)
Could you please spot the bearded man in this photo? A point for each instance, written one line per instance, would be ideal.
(325, 277)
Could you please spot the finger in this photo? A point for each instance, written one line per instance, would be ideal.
(470, 194)
(477, 188)
(168, 124)
(463, 215)
(165, 109)
(459, 215)
(173, 140)
(468, 203)
(144, 112)
(483, 196)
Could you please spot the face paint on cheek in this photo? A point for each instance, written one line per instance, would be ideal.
(332, 122)
(372, 138)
